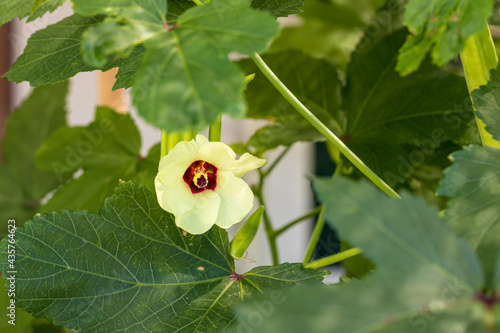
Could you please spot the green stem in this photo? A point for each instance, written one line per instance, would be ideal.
(327, 133)
(215, 130)
(173, 139)
(333, 259)
(277, 161)
(320, 223)
(478, 58)
(164, 144)
(338, 168)
(312, 213)
(259, 193)
(188, 136)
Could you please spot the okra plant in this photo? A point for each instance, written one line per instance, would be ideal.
(405, 94)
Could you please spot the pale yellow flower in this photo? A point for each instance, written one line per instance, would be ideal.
(199, 182)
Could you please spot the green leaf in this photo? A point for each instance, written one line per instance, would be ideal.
(184, 64)
(285, 133)
(148, 13)
(182, 60)
(278, 8)
(394, 123)
(472, 184)
(487, 103)
(53, 54)
(128, 68)
(425, 279)
(144, 20)
(189, 99)
(43, 6)
(14, 8)
(22, 319)
(314, 82)
(497, 273)
(440, 27)
(130, 268)
(108, 150)
(384, 118)
(23, 184)
(176, 8)
(330, 30)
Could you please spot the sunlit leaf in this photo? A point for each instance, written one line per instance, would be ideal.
(440, 27)
(41, 7)
(14, 8)
(53, 53)
(185, 64)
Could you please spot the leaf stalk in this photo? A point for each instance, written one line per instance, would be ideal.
(333, 259)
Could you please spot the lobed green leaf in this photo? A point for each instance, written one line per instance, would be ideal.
(130, 268)
(425, 279)
(184, 63)
(386, 120)
(278, 8)
(23, 184)
(472, 184)
(487, 103)
(22, 320)
(40, 7)
(14, 8)
(440, 27)
(53, 54)
(128, 68)
(108, 150)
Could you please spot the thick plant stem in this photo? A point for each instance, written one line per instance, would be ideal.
(173, 139)
(188, 136)
(164, 144)
(333, 259)
(214, 133)
(478, 58)
(315, 236)
(168, 141)
(327, 133)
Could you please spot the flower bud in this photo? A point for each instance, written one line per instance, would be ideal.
(246, 234)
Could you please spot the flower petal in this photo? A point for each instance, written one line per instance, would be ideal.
(202, 217)
(175, 163)
(236, 199)
(218, 154)
(201, 140)
(245, 163)
(176, 199)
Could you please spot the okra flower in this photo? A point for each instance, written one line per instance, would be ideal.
(199, 182)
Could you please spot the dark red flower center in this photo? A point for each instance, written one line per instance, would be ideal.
(201, 176)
